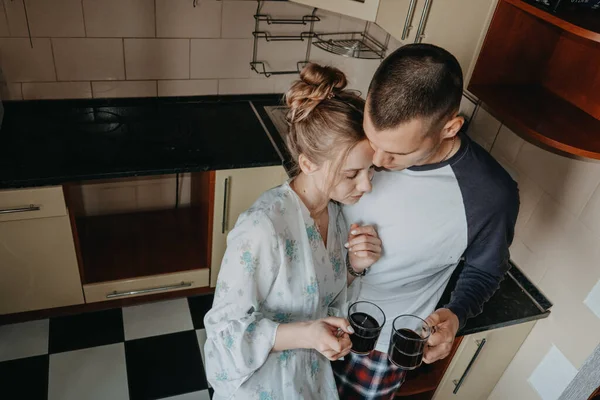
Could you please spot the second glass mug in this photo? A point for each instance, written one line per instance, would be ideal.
(407, 342)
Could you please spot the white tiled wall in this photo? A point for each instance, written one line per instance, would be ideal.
(557, 245)
(131, 48)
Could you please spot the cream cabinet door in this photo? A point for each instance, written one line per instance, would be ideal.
(363, 9)
(458, 26)
(38, 265)
(397, 17)
(489, 354)
(235, 191)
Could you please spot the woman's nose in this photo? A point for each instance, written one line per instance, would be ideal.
(365, 185)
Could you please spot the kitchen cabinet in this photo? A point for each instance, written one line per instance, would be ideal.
(458, 26)
(38, 263)
(363, 9)
(235, 191)
(480, 361)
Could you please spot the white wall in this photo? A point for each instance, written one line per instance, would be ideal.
(130, 48)
(557, 245)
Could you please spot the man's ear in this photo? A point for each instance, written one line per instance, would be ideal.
(452, 127)
(308, 167)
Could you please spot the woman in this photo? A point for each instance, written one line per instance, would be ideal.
(273, 326)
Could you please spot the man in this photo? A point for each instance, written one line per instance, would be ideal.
(437, 200)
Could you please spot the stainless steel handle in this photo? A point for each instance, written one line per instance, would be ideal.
(224, 220)
(419, 36)
(28, 208)
(409, 18)
(148, 290)
(458, 384)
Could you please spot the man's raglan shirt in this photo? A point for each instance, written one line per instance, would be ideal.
(429, 218)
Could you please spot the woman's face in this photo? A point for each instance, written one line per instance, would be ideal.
(355, 175)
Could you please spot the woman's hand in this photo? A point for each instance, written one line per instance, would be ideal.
(364, 247)
(329, 336)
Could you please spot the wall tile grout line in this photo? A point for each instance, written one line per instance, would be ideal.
(53, 59)
(6, 18)
(83, 17)
(124, 63)
(190, 59)
(155, 21)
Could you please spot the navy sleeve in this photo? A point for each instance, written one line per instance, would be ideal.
(491, 200)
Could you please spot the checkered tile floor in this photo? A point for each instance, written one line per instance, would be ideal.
(151, 351)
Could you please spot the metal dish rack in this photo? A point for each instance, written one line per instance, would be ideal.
(260, 67)
(353, 44)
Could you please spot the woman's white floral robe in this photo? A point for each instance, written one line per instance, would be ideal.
(276, 269)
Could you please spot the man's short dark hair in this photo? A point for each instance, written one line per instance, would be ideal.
(415, 81)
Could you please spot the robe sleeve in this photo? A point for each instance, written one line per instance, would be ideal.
(239, 337)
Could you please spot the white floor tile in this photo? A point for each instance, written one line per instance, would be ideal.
(157, 319)
(201, 395)
(552, 375)
(24, 340)
(96, 373)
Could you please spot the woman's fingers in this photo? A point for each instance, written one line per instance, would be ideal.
(363, 239)
(365, 247)
(363, 230)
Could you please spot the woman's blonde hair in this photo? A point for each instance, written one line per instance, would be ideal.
(325, 119)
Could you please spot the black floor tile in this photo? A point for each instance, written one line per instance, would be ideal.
(25, 378)
(199, 306)
(86, 330)
(163, 366)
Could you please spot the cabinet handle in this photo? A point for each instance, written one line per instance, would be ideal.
(419, 36)
(225, 218)
(148, 290)
(28, 208)
(409, 18)
(458, 383)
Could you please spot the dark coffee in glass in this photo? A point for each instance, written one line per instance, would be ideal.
(407, 343)
(367, 320)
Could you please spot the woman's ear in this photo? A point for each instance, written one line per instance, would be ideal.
(452, 127)
(308, 167)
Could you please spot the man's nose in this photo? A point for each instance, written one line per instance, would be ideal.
(378, 158)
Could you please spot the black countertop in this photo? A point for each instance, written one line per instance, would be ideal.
(59, 141)
(55, 142)
(516, 301)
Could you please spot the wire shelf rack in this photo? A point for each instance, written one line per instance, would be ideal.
(352, 44)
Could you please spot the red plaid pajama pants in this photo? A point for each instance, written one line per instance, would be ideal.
(369, 377)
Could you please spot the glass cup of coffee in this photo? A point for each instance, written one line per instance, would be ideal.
(367, 320)
(409, 338)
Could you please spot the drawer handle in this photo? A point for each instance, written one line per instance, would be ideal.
(148, 290)
(225, 219)
(409, 18)
(419, 36)
(458, 384)
(28, 208)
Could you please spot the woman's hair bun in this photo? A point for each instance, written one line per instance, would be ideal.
(317, 83)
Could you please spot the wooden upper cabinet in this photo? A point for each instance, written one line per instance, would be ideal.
(363, 9)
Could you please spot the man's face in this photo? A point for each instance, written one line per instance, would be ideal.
(401, 147)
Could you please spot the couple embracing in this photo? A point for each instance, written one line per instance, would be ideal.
(386, 200)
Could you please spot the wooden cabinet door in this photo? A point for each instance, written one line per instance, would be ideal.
(363, 9)
(458, 26)
(235, 191)
(496, 350)
(38, 265)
